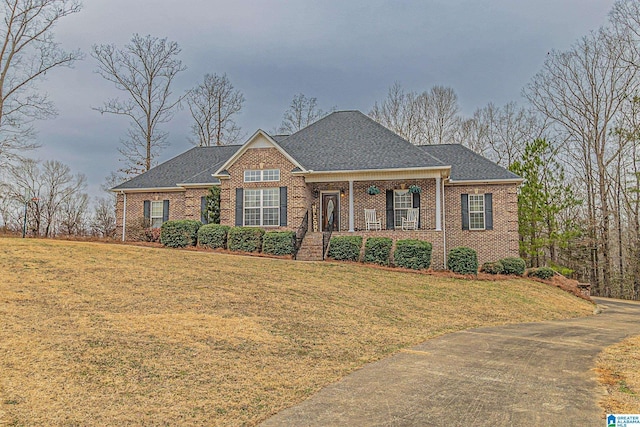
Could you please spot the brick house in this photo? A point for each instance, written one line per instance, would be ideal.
(323, 176)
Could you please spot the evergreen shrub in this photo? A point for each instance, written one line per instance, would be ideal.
(414, 254)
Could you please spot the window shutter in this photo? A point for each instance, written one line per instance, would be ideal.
(488, 211)
(416, 204)
(239, 206)
(390, 219)
(147, 210)
(283, 206)
(165, 211)
(465, 211)
(203, 210)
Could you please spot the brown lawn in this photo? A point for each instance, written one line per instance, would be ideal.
(619, 370)
(99, 334)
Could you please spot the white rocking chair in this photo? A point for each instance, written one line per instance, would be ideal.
(411, 221)
(372, 221)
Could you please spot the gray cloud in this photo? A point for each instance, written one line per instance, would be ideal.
(344, 53)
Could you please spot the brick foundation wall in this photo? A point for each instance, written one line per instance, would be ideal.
(491, 245)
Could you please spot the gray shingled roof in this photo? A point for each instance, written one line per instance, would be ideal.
(350, 140)
(344, 140)
(194, 166)
(467, 165)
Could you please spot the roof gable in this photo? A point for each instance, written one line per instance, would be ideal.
(260, 139)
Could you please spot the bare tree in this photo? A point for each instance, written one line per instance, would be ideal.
(73, 219)
(420, 118)
(439, 115)
(213, 105)
(301, 113)
(103, 223)
(582, 91)
(27, 53)
(145, 70)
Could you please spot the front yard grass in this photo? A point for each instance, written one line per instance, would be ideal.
(100, 334)
(618, 369)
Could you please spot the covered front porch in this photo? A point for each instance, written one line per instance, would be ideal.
(340, 206)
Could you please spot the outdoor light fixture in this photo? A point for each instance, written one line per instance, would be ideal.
(316, 193)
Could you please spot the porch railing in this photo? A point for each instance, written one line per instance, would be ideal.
(326, 238)
(300, 233)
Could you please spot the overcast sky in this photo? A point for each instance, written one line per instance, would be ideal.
(345, 53)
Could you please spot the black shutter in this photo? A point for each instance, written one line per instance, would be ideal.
(488, 211)
(165, 211)
(390, 219)
(416, 204)
(465, 211)
(283, 206)
(147, 210)
(239, 206)
(203, 210)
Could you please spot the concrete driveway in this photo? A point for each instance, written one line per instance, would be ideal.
(534, 374)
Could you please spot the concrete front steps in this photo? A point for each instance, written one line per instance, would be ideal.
(311, 248)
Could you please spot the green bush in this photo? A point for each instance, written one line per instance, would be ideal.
(543, 273)
(278, 242)
(377, 250)
(565, 271)
(245, 239)
(345, 248)
(513, 265)
(415, 254)
(493, 267)
(463, 260)
(213, 236)
(179, 233)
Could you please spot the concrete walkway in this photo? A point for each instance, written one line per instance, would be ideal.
(534, 374)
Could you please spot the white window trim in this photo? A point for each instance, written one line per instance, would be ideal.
(152, 217)
(261, 207)
(403, 209)
(261, 175)
(484, 220)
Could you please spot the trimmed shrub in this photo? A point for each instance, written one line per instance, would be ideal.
(463, 260)
(513, 266)
(411, 253)
(493, 267)
(213, 236)
(179, 233)
(345, 248)
(245, 239)
(278, 242)
(544, 273)
(377, 250)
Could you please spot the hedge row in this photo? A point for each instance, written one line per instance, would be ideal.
(414, 254)
(181, 233)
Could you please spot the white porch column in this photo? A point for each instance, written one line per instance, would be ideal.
(351, 206)
(438, 204)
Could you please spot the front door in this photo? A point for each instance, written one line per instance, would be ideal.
(330, 211)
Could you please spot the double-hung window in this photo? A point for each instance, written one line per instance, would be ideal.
(262, 207)
(262, 175)
(157, 214)
(402, 202)
(476, 212)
